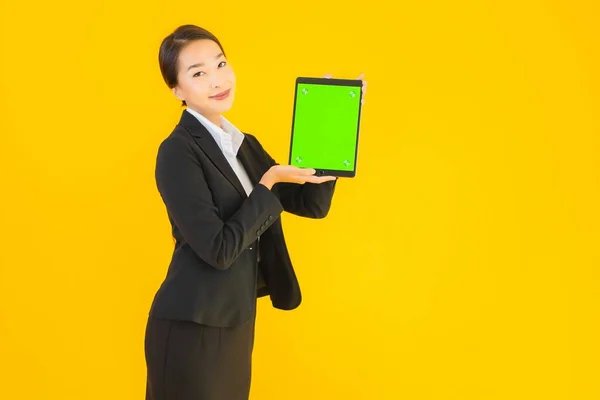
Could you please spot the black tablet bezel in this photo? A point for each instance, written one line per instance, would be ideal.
(330, 82)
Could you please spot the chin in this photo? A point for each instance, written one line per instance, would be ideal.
(226, 105)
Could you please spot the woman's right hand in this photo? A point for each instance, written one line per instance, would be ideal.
(291, 174)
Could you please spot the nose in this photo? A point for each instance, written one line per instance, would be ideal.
(214, 81)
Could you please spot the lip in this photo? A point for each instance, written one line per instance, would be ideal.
(222, 95)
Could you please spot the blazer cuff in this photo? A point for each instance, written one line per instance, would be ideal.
(271, 208)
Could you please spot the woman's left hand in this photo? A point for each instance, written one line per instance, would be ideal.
(360, 78)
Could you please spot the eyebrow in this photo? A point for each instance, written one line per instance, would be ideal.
(202, 64)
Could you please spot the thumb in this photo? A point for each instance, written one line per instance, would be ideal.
(308, 171)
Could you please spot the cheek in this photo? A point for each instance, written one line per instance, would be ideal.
(230, 76)
(199, 88)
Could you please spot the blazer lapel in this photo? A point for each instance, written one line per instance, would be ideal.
(251, 166)
(208, 145)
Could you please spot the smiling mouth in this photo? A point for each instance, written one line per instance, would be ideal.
(222, 95)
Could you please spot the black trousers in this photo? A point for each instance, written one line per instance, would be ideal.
(188, 361)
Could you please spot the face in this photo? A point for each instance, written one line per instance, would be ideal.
(206, 81)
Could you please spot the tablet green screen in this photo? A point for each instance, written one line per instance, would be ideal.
(325, 127)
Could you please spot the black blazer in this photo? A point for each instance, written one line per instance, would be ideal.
(214, 274)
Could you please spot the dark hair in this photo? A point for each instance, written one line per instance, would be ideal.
(171, 46)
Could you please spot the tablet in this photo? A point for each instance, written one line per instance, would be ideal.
(325, 125)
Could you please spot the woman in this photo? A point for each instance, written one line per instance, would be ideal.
(223, 195)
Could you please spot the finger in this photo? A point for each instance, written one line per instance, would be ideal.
(320, 179)
(307, 171)
(362, 75)
(301, 176)
(292, 169)
(328, 76)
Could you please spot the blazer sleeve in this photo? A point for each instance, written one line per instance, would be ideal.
(310, 200)
(182, 185)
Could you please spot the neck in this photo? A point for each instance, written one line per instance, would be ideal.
(214, 118)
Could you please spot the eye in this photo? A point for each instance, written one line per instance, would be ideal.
(197, 74)
(222, 64)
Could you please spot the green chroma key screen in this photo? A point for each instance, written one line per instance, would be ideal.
(325, 125)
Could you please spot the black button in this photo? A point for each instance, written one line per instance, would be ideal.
(270, 218)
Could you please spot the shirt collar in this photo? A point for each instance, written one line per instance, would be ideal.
(222, 135)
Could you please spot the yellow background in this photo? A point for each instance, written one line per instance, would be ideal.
(461, 263)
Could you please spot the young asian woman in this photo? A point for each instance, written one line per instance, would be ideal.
(224, 195)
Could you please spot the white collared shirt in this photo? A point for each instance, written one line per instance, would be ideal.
(229, 139)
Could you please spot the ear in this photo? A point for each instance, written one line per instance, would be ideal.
(178, 93)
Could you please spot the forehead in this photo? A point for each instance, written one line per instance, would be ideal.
(198, 51)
